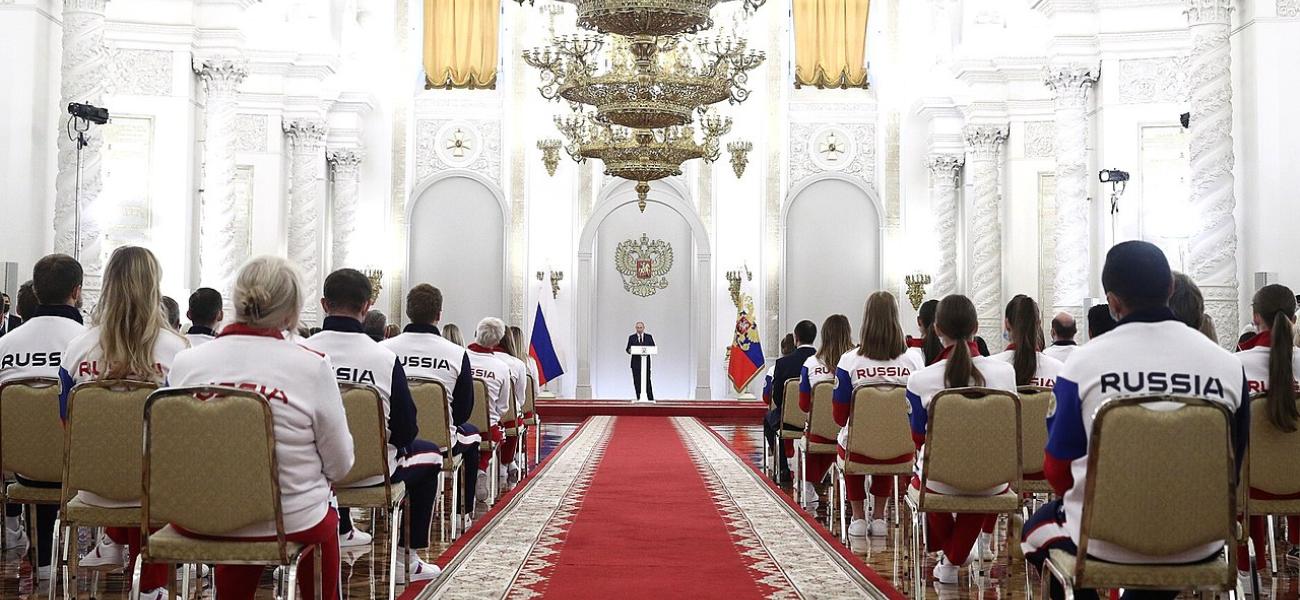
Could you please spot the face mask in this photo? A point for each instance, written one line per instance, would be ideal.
(1006, 335)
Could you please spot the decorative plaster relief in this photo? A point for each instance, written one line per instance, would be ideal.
(433, 136)
(250, 133)
(1288, 8)
(138, 72)
(808, 140)
(1154, 80)
(1040, 139)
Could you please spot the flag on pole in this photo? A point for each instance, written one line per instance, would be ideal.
(540, 345)
(745, 355)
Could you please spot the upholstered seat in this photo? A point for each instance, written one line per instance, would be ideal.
(369, 428)
(1211, 572)
(1001, 503)
(433, 415)
(878, 433)
(169, 545)
(25, 494)
(81, 513)
(1271, 469)
(369, 496)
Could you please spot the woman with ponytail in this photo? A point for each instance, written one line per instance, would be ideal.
(1025, 352)
(958, 365)
(925, 349)
(837, 339)
(1271, 364)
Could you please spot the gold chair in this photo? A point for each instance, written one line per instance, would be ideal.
(1271, 469)
(531, 421)
(819, 436)
(369, 427)
(878, 431)
(1159, 482)
(433, 416)
(1035, 404)
(512, 424)
(210, 469)
(972, 443)
(792, 424)
(481, 419)
(102, 443)
(29, 428)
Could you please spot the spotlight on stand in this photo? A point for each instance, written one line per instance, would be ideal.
(1118, 180)
(78, 124)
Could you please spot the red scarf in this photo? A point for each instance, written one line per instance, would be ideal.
(1263, 339)
(915, 342)
(974, 351)
(475, 347)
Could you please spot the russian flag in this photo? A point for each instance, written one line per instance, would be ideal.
(542, 349)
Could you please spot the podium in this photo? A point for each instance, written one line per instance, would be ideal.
(644, 351)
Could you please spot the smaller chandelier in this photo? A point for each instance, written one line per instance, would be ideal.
(739, 151)
(550, 148)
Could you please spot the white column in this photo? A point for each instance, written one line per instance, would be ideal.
(944, 171)
(306, 138)
(222, 240)
(345, 171)
(1212, 256)
(984, 146)
(82, 77)
(1070, 85)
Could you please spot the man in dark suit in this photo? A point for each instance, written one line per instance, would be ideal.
(641, 338)
(787, 367)
(7, 321)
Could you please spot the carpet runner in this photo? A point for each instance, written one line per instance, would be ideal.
(651, 507)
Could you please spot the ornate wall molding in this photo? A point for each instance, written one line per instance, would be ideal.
(860, 147)
(432, 156)
(1164, 79)
(1040, 139)
(220, 240)
(945, 172)
(1288, 8)
(984, 158)
(250, 132)
(1070, 86)
(345, 171)
(307, 143)
(139, 72)
(1212, 256)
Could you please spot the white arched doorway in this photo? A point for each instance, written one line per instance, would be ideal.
(832, 253)
(681, 315)
(456, 240)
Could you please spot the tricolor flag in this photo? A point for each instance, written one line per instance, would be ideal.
(541, 347)
(745, 355)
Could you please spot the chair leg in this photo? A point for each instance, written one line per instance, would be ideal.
(290, 587)
(439, 506)
(898, 508)
(1275, 569)
(392, 563)
(135, 580)
(843, 492)
(455, 503)
(57, 572)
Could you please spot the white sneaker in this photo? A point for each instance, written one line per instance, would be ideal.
(43, 573)
(858, 528)
(204, 571)
(1243, 582)
(810, 499)
(155, 594)
(106, 553)
(16, 537)
(354, 538)
(879, 528)
(512, 474)
(466, 523)
(946, 572)
(418, 569)
(481, 487)
(984, 547)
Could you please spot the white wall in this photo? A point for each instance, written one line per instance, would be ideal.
(832, 257)
(456, 244)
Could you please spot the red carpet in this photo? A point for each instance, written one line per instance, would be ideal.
(648, 527)
(724, 409)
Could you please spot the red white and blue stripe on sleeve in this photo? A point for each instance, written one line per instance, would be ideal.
(918, 417)
(842, 398)
(65, 387)
(767, 388)
(1067, 439)
(805, 391)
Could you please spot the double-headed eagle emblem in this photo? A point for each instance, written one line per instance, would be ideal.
(644, 265)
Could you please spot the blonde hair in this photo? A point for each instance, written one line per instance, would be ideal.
(516, 336)
(452, 334)
(268, 294)
(130, 315)
(882, 333)
(837, 339)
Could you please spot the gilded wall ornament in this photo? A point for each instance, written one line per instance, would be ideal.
(643, 265)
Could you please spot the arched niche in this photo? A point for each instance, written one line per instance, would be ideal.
(668, 205)
(832, 253)
(457, 225)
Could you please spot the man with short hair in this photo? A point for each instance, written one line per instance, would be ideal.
(641, 338)
(1063, 331)
(373, 324)
(7, 321)
(1100, 321)
(357, 359)
(204, 313)
(36, 350)
(1146, 354)
(27, 303)
(787, 367)
(424, 353)
(487, 366)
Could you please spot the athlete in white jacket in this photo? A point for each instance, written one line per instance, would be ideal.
(487, 366)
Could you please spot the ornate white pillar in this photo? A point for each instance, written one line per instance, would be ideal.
(984, 147)
(306, 139)
(1070, 85)
(345, 171)
(1212, 256)
(221, 238)
(944, 171)
(82, 81)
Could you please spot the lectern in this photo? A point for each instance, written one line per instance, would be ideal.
(644, 351)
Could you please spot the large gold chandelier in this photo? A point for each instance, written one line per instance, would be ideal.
(635, 99)
(648, 17)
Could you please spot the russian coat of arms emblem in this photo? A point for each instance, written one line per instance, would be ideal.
(643, 265)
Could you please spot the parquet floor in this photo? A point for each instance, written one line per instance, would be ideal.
(884, 555)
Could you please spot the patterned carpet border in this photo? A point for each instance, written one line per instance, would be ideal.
(789, 554)
(509, 555)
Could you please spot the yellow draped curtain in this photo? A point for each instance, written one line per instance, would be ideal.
(460, 43)
(830, 40)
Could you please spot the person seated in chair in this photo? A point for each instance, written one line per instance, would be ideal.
(508, 354)
(423, 352)
(1149, 339)
(204, 314)
(837, 339)
(1064, 328)
(358, 359)
(486, 365)
(787, 368)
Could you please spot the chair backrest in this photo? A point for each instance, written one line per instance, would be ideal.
(209, 461)
(1160, 478)
(29, 428)
(790, 413)
(972, 439)
(530, 396)
(821, 419)
(102, 439)
(511, 414)
(1273, 453)
(1035, 404)
(878, 425)
(432, 413)
(369, 428)
(479, 417)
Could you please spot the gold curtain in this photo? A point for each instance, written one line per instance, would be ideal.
(830, 40)
(460, 43)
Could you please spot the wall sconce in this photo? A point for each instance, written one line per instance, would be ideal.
(734, 279)
(550, 148)
(916, 283)
(556, 278)
(739, 156)
(376, 277)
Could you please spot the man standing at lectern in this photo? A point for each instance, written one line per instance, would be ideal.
(641, 338)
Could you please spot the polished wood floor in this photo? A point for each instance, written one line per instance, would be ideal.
(886, 556)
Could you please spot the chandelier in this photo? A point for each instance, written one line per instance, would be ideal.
(648, 17)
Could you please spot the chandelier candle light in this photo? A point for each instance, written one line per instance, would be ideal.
(916, 283)
(739, 156)
(550, 148)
